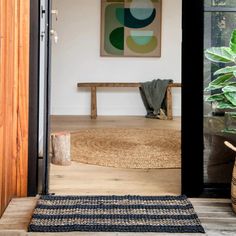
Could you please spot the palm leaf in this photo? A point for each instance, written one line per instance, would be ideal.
(227, 70)
(229, 89)
(225, 105)
(216, 97)
(231, 97)
(220, 54)
(233, 41)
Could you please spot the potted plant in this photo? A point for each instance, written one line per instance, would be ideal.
(224, 92)
(223, 86)
(233, 184)
(224, 81)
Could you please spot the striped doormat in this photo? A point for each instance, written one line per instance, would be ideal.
(172, 214)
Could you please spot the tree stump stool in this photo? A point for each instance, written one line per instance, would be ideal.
(60, 149)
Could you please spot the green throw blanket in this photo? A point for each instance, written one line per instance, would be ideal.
(153, 94)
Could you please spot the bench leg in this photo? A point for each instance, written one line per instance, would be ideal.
(93, 102)
(169, 104)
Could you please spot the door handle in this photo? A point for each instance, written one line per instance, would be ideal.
(53, 33)
(55, 12)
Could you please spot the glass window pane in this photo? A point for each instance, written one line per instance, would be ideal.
(220, 3)
(218, 160)
(217, 32)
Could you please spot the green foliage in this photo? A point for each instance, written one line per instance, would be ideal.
(225, 77)
(220, 54)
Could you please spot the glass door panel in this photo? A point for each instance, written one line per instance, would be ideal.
(220, 3)
(218, 160)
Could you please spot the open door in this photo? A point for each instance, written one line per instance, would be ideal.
(14, 99)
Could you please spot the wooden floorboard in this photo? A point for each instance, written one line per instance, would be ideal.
(73, 123)
(18, 214)
(82, 179)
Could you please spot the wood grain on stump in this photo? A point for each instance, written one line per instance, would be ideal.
(60, 148)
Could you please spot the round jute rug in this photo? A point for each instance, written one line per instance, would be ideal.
(127, 147)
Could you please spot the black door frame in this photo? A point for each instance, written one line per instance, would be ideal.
(192, 90)
(192, 97)
(47, 120)
(36, 12)
(33, 97)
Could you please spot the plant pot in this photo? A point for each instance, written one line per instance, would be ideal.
(218, 113)
(233, 189)
(233, 182)
(230, 122)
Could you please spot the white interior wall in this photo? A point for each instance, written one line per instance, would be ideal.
(76, 58)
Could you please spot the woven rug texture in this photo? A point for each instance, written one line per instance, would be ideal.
(172, 214)
(127, 147)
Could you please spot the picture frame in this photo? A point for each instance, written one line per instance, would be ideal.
(131, 28)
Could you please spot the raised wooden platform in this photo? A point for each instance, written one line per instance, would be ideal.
(215, 214)
(93, 87)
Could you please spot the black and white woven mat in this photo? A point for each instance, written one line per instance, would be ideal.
(173, 214)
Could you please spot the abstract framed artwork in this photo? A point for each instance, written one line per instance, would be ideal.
(131, 28)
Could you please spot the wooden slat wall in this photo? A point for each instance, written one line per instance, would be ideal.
(14, 89)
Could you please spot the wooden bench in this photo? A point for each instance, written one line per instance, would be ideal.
(93, 87)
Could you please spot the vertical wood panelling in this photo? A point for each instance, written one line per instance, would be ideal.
(14, 96)
(23, 98)
(15, 103)
(1, 102)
